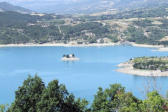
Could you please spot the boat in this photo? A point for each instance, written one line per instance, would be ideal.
(69, 57)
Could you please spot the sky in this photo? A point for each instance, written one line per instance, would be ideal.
(33, 1)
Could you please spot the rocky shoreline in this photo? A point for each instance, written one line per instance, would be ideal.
(127, 68)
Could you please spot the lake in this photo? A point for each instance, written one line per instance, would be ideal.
(96, 68)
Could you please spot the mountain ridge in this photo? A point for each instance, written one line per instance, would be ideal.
(89, 6)
(5, 6)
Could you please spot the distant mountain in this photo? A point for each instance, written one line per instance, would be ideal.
(88, 6)
(4, 6)
(134, 4)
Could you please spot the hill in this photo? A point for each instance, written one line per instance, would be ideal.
(4, 6)
(89, 6)
(142, 26)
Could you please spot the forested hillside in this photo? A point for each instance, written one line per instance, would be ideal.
(142, 26)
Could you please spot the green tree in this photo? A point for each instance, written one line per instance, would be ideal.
(28, 95)
(3, 108)
(115, 99)
(56, 98)
(127, 102)
(154, 103)
(103, 101)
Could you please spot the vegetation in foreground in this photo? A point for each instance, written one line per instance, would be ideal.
(34, 96)
(151, 63)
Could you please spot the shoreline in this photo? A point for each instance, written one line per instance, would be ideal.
(127, 68)
(58, 45)
(146, 45)
(160, 48)
(70, 59)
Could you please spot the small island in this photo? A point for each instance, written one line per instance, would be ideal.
(145, 66)
(69, 57)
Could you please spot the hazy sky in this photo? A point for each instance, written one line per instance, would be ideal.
(30, 1)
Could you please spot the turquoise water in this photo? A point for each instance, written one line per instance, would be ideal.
(96, 68)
